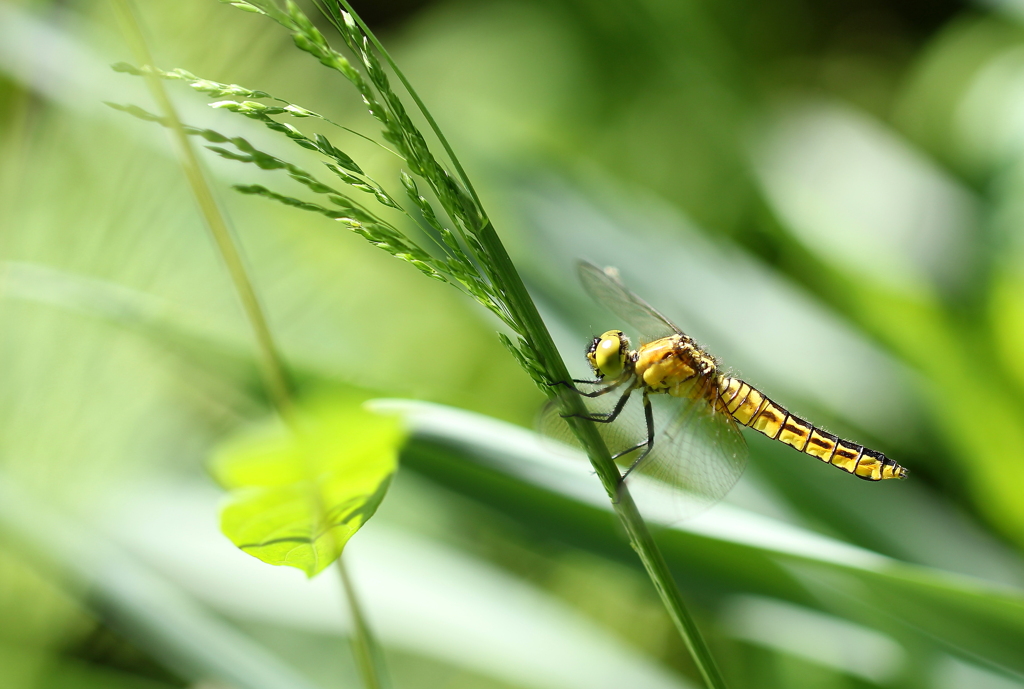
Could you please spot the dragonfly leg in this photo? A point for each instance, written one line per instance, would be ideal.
(649, 416)
(610, 416)
(575, 389)
(642, 443)
(596, 381)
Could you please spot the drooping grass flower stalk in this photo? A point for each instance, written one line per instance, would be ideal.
(467, 253)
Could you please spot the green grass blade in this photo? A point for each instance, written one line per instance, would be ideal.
(979, 621)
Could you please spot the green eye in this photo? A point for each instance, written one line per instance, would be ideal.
(608, 354)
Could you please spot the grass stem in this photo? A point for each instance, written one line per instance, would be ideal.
(368, 654)
(640, 537)
(523, 310)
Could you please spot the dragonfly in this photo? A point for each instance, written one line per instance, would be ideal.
(683, 431)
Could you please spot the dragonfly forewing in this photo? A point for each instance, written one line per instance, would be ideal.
(607, 289)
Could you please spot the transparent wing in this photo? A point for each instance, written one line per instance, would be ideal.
(698, 456)
(698, 453)
(607, 289)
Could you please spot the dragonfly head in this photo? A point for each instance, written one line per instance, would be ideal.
(608, 354)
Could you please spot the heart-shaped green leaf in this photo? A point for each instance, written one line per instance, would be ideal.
(298, 494)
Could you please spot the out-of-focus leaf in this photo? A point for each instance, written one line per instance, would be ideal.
(298, 494)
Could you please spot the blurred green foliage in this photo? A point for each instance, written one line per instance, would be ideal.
(340, 454)
(827, 195)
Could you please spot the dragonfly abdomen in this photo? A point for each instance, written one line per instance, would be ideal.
(749, 407)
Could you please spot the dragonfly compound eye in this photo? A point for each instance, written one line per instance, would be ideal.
(608, 354)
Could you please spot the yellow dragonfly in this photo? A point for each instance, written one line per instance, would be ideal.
(683, 430)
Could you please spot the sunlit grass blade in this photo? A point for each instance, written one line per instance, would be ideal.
(978, 620)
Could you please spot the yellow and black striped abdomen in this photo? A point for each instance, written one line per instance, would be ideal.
(750, 408)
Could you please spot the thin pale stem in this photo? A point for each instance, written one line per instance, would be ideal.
(270, 361)
(368, 654)
(271, 365)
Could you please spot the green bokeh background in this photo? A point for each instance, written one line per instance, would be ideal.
(828, 195)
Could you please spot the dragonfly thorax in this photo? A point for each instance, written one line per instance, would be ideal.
(673, 365)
